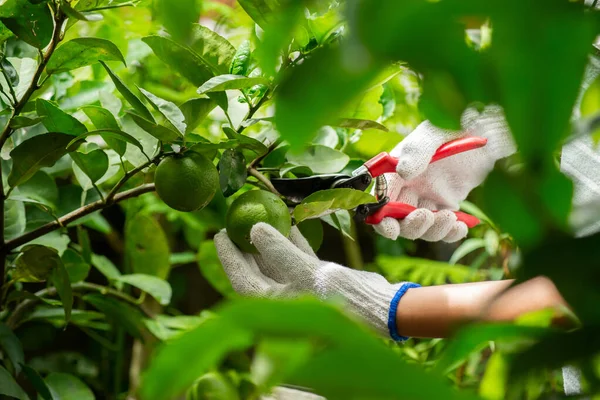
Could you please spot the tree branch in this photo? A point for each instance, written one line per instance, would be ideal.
(263, 179)
(75, 215)
(128, 175)
(22, 308)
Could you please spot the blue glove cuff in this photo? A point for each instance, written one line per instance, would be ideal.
(393, 309)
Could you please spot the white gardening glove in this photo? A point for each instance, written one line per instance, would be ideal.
(285, 268)
(445, 183)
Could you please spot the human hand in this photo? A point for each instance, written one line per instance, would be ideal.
(285, 268)
(444, 184)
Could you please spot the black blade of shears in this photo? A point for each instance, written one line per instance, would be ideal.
(296, 189)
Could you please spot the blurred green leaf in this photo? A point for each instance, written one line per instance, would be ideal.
(178, 17)
(167, 109)
(335, 199)
(14, 218)
(61, 280)
(83, 238)
(493, 384)
(12, 348)
(195, 111)
(94, 164)
(66, 386)
(31, 23)
(312, 230)
(114, 134)
(211, 269)
(131, 98)
(320, 159)
(241, 59)
(36, 263)
(360, 124)
(276, 359)
(146, 247)
(160, 132)
(19, 122)
(232, 171)
(302, 108)
(261, 11)
(40, 187)
(213, 385)
(119, 313)
(106, 267)
(9, 387)
(465, 248)
(154, 286)
(37, 382)
(229, 82)
(79, 52)
(76, 266)
(56, 120)
(213, 49)
(104, 119)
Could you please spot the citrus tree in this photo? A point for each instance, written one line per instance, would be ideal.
(128, 128)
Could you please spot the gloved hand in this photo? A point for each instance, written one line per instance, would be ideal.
(285, 268)
(445, 183)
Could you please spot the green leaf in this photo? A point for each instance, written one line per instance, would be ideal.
(167, 109)
(79, 52)
(246, 141)
(83, 238)
(195, 111)
(178, 17)
(40, 187)
(277, 358)
(494, 381)
(212, 270)
(315, 92)
(213, 385)
(131, 98)
(56, 120)
(75, 264)
(146, 247)
(35, 153)
(340, 220)
(160, 132)
(330, 200)
(232, 171)
(94, 164)
(360, 124)
(14, 218)
(241, 59)
(9, 387)
(312, 230)
(229, 82)
(261, 11)
(320, 159)
(104, 119)
(23, 122)
(213, 49)
(31, 23)
(37, 382)
(466, 247)
(36, 263)
(119, 313)
(66, 386)
(155, 287)
(114, 134)
(60, 279)
(12, 348)
(11, 72)
(106, 267)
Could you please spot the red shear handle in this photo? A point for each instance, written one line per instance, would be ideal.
(401, 211)
(384, 163)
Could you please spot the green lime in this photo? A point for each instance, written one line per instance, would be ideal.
(251, 208)
(186, 182)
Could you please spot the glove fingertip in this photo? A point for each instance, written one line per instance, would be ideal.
(388, 228)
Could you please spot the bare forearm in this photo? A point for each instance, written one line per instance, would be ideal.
(436, 311)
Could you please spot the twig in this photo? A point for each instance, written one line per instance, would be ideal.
(261, 157)
(26, 305)
(263, 179)
(252, 109)
(75, 215)
(128, 4)
(128, 175)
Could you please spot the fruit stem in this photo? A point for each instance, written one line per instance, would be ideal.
(263, 179)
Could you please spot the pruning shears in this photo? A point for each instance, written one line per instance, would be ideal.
(296, 189)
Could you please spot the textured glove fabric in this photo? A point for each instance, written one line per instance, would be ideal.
(285, 268)
(445, 183)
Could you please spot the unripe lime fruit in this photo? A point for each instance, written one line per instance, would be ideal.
(251, 208)
(186, 182)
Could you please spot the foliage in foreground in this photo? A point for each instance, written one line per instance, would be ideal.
(96, 93)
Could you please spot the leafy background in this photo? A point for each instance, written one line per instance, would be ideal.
(108, 293)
